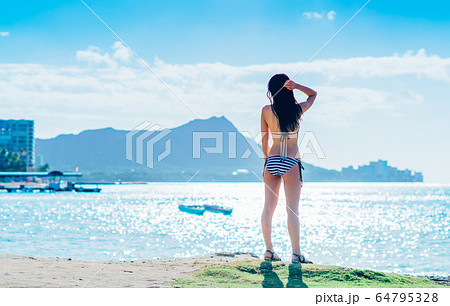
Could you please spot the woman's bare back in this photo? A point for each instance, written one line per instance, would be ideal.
(273, 126)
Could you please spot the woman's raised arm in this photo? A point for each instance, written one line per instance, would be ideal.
(312, 94)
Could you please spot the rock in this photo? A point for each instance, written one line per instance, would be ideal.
(225, 254)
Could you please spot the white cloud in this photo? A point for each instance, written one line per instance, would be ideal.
(331, 15)
(113, 89)
(311, 15)
(339, 105)
(316, 15)
(4, 34)
(121, 52)
(93, 55)
(419, 64)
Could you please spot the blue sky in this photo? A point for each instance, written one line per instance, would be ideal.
(383, 81)
(232, 32)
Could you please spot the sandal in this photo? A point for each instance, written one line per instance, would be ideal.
(300, 259)
(272, 257)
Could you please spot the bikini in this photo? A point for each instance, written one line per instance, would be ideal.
(279, 164)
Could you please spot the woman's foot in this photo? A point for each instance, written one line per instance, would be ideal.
(299, 258)
(270, 255)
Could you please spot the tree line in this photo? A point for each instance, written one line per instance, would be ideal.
(12, 162)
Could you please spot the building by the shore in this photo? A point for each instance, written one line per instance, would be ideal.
(379, 171)
(18, 136)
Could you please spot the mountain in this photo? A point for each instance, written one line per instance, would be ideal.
(89, 150)
(101, 154)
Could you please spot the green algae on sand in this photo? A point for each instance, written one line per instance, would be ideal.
(256, 274)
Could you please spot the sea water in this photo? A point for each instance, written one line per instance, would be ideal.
(395, 227)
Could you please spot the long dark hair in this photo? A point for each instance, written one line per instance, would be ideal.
(283, 103)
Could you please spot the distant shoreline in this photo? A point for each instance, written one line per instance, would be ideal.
(180, 181)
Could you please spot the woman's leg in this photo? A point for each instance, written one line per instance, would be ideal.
(272, 187)
(292, 188)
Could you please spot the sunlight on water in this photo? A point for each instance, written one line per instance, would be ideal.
(384, 226)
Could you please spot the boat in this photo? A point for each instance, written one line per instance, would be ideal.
(219, 209)
(83, 189)
(192, 209)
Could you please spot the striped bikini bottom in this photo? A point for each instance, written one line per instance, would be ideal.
(277, 165)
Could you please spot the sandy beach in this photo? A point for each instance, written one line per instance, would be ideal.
(20, 271)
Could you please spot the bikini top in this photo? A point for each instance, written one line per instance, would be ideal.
(284, 136)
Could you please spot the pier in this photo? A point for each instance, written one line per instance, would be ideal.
(53, 184)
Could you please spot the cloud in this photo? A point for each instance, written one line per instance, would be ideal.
(331, 15)
(106, 89)
(4, 34)
(93, 55)
(419, 64)
(121, 52)
(315, 15)
(340, 105)
(311, 15)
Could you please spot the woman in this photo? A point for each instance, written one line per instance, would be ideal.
(282, 118)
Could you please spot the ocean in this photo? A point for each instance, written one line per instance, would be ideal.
(390, 227)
